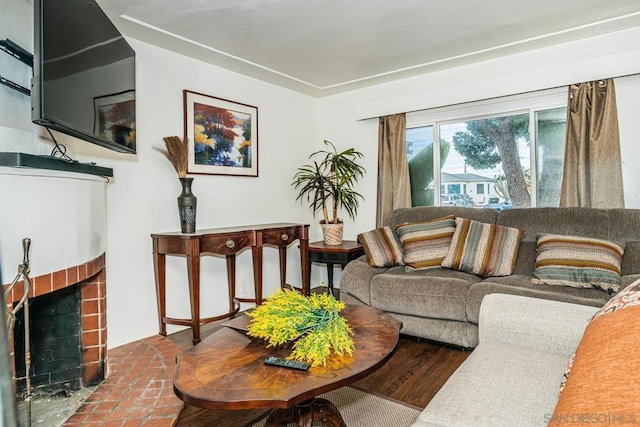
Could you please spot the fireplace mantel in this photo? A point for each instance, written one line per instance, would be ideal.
(25, 160)
(63, 213)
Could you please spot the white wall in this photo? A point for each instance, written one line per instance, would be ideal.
(352, 116)
(141, 199)
(610, 55)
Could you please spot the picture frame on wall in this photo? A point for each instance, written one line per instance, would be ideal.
(222, 135)
(115, 117)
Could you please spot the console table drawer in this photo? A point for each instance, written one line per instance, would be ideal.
(281, 236)
(227, 244)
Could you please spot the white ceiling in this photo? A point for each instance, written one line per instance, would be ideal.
(323, 47)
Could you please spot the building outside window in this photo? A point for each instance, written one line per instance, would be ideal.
(499, 153)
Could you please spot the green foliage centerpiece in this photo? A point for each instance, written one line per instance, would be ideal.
(313, 324)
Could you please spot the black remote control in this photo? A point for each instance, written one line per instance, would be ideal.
(286, 363)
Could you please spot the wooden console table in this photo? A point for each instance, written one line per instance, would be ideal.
(228, 242)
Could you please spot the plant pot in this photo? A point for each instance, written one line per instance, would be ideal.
(187, 203)
(332, 233)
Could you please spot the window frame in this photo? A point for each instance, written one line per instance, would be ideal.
(530, 103)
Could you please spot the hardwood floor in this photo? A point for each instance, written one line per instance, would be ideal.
(413, 374)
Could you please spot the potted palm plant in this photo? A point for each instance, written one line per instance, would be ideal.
(327, 185)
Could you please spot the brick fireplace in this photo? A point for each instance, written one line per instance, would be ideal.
(89, 279)
(63, 213)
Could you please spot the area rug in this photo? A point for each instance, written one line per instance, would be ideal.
(360, 409)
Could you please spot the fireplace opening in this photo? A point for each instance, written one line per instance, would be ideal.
(68, 340)
(55, 340)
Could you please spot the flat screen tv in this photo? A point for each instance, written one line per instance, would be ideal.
(84, 74)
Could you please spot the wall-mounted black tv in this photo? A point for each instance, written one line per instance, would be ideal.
(84, 74)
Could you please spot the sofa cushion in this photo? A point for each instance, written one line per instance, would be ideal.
(427, 213)
(605, 377)
(521, 285)
(381, 247)
(436, 293)
(483, 249)
(631, 258)
(425, 244)
(526, 260)
(616, 225)
(461, 334)
(498, 385)
(577, 261)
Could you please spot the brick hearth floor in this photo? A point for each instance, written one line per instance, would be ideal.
(138, 391)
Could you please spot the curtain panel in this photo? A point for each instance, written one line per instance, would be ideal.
(394, 189)
(593, 166)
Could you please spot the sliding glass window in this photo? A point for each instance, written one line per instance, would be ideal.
(502, 153)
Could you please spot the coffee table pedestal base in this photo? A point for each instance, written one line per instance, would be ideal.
(306, 413)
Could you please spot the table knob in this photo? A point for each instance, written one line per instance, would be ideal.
(284, 236)
(230, 244)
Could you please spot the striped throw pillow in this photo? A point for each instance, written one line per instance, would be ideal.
(579, 262)
(381, 247)
(425, 244)
(483, 249)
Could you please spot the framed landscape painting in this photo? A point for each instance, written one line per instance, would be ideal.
(222, 134)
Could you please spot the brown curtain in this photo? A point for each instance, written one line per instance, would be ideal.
(394, 190)
(592, 164)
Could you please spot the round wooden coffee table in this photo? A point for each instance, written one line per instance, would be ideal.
(226, 371)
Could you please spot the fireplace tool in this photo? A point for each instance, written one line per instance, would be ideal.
(23, 273)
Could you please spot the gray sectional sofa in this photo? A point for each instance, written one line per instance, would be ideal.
(443, 305)
(513, 377)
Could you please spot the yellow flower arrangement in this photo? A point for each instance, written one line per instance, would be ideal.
(312, 323)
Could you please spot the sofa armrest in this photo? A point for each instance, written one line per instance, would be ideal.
(356, 277)
(541, 325)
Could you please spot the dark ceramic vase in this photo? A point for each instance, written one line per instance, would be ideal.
(187, 203)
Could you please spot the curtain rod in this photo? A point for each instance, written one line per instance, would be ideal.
(600, 80)
(618, 76)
